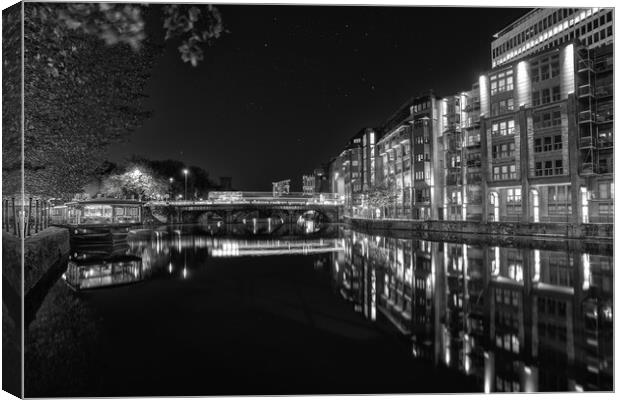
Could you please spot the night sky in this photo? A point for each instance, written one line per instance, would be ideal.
(285, 89)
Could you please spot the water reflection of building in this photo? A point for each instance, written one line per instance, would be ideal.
(513, 319)
(102, 273)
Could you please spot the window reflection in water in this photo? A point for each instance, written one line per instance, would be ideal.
(514, 319)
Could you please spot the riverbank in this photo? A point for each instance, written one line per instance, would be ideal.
(505, 229)
(45, 258)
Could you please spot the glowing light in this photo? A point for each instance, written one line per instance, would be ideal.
(536, 265)
(585, 260)
(184, 273)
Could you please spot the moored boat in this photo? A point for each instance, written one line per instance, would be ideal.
(98, 221)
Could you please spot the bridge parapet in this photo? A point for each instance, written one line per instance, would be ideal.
(258, 198)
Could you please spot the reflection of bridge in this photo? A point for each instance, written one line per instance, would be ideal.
(233, 207)
(240, 248)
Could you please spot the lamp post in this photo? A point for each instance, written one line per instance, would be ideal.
(185, 172)
(171, 179)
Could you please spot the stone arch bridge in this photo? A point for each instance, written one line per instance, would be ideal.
(235, 209)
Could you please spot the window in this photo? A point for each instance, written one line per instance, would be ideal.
(548, 168)
(547, 119)
(546, 96)
(503, 128)
(504, 172)
(502, 82)
(513, 196)
(546, 68)
(559, 200)
(557, 142)
(503, 150)
(502, 107)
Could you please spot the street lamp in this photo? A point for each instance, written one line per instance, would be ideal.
(185, 172)
(171, 179)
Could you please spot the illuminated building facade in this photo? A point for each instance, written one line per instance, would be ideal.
(532, 141)
(544, 28)
(308, 184)
(281, 187)
(542, 118)
(409, 156)
(352, 173)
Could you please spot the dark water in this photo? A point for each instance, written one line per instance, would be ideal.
(206, 310)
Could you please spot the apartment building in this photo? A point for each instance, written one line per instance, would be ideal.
(532, 141)
(594, 76)
(409, 159)
(542, 118)
(544, 28)
(353, 169)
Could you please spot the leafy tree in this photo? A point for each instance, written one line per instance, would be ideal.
(11, 98)
(383, 196)
(199, 182)
(86, 66)
(138, 181)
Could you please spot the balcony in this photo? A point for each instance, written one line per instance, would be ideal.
(605, 142)
(586, 142)
(605, 117)
(587, 168)
(585, 66)
(604, 65)
(586, 117)
(604, 168)
(606, 90)
(585, 91)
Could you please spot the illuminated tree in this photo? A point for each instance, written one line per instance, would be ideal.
(383, 196)
(138, 181)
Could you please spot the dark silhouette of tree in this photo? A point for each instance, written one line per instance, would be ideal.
(86, 66)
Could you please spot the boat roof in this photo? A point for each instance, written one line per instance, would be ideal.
(106, 202)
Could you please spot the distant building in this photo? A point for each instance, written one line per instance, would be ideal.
(321, 180)
(281, 187)
(308, 184)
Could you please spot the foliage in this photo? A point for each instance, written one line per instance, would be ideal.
(86, 67)
(118, 23)
(198, 181)
(137, 181)
(383, 195)
(196, 25)
(11, 99)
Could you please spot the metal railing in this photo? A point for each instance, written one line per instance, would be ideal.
(24, 218)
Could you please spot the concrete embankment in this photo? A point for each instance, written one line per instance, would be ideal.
(537, 230)
(45, 258)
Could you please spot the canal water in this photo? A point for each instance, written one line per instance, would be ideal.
(262, 308)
